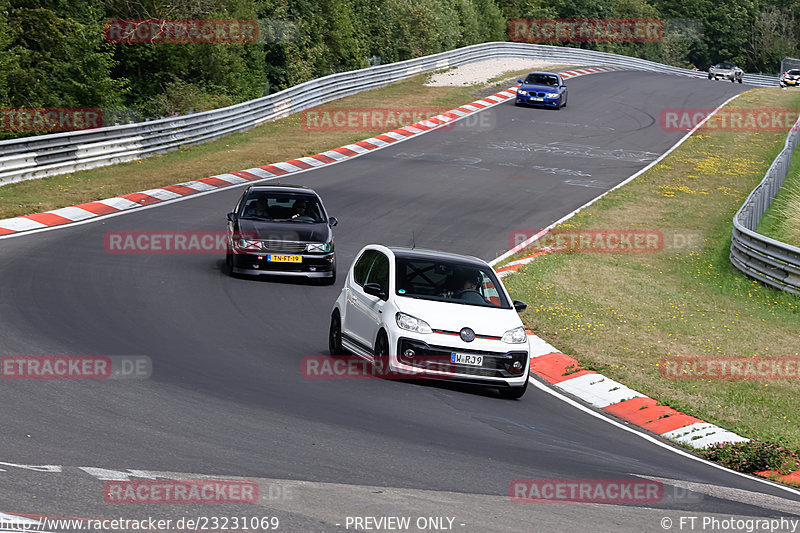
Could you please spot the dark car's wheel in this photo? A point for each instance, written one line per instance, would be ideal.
(514, 393)
(381, 353)
(335, 335)
(229, 261)
(331, 280)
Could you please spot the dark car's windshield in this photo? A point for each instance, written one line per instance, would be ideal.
(541, 79)
(278, 206)
(726, 66)
(449, 281)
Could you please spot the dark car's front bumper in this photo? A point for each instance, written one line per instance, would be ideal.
(311, 266)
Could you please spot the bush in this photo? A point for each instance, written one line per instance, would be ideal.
(754, 456)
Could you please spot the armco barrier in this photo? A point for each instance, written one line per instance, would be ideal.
(59, 153)
(767, 260)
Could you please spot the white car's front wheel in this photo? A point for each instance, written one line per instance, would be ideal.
(514, 393)
(381, 353)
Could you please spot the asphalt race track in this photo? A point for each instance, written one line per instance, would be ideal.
(227, 397)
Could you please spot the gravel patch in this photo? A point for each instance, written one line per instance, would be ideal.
(483, 71)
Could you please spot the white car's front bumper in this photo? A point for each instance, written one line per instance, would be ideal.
(502, 364)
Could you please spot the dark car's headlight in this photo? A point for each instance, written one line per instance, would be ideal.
(520, 91)
(247, 245)
(319, 247)
(552, 95)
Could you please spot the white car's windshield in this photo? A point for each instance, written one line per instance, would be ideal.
(449, 281)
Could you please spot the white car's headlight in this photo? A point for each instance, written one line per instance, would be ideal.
(552, 95)
(515, 336)
(319, 247)
(410, 323)
(520, 91)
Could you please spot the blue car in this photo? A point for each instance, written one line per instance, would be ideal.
(542, 89)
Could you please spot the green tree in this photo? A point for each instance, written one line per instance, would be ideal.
(56, 55)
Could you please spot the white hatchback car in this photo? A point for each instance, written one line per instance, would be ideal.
(432, 314)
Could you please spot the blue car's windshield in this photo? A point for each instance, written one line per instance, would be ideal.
(541, 79)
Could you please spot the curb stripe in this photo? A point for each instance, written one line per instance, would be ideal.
(47, 219)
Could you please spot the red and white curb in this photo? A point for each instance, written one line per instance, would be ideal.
(566, 374)
(127, 202)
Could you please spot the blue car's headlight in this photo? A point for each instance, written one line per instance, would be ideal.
(520, 91)
(552, 95)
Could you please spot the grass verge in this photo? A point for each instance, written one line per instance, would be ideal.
(782, 219)
(622, 314)
(276, 141)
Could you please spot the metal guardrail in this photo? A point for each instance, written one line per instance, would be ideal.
(60, 153)
(772, 262)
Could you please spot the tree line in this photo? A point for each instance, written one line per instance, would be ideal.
(56, 53)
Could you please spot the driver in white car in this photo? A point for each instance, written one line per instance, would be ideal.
(469, 281)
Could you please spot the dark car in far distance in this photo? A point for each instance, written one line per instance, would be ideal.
(790, 78)
(542, 89)
(281, 230)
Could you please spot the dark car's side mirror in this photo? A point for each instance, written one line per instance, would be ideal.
(374, 289)
(332, 221)
(520, 306)
(520, 81)
(232, 217)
